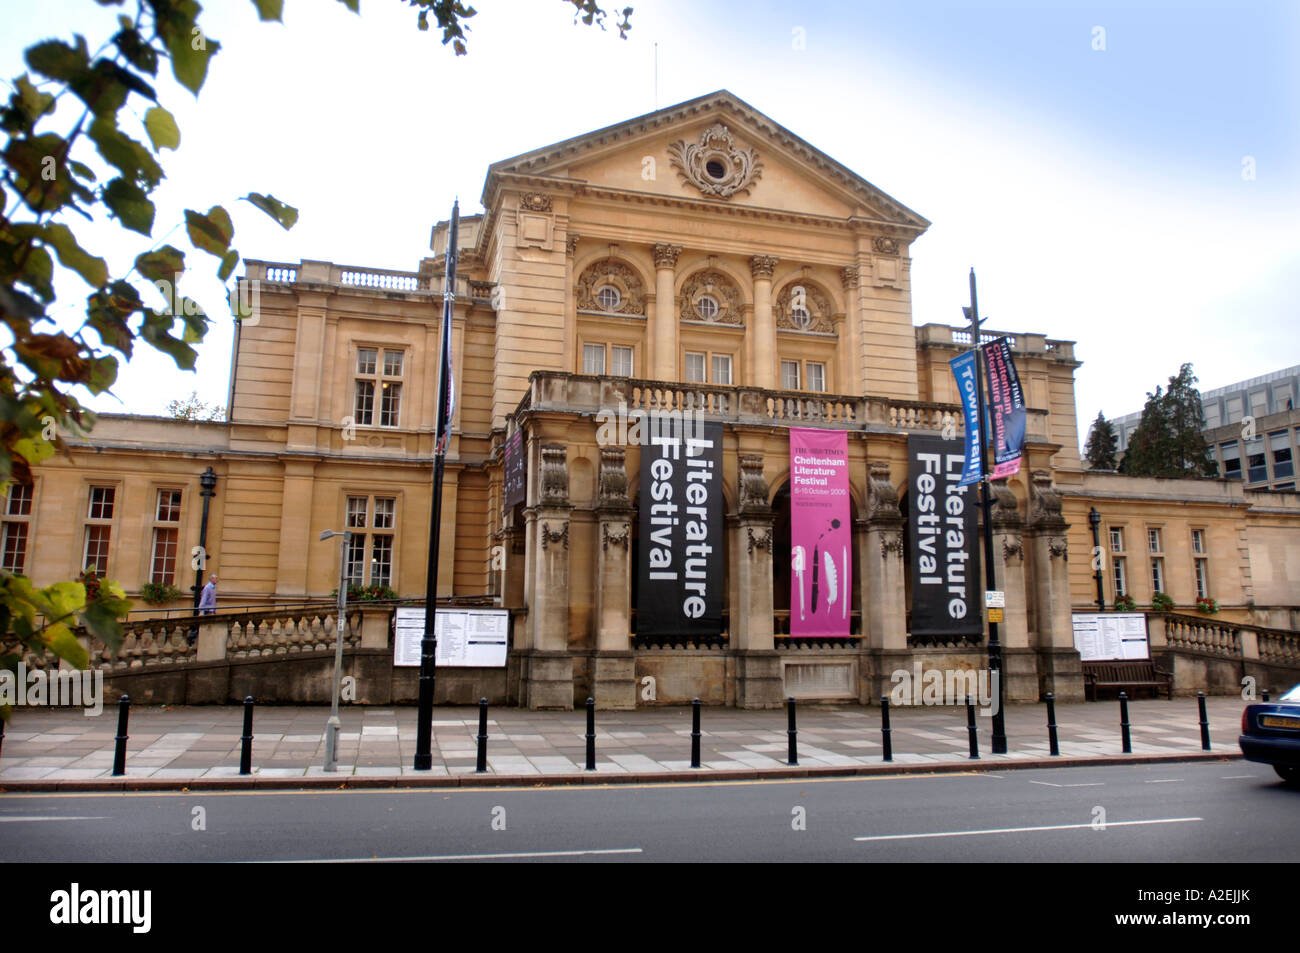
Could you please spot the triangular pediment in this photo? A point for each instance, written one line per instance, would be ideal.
(714, 149)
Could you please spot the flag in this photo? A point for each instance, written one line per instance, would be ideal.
(963, 370)
(446, 380)
(1007, 414)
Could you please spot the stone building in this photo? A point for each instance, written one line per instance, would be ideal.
(700, 260)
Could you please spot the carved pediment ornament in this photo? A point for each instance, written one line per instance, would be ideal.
(608, 271)
(891, 543)
(555, 475)
(753, 488)
(1057, 546)
(1012, 548)
(550, 536)
(882, 497)
(815, 314)
(1006, 509)
(717, 286)
(613, 477)
(849, 277)
(535, 201)
(716, 165)
(1044, 500)
(884, 245)
(617, 538)
(763, 542)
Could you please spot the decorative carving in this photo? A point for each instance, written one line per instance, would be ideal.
(555, 475)
(885, 245)
(1012, 548)
(535, 201)
(721, 289)
(613, 478)
(882, 498)
(763, 542)
(607, 271)
(1044, 500)
(753, 488)
(817, 307)
(549, 537)
(1057, 546)
(716, 165)
(1006, 509)
(666, 255)
(571, 243)
(849, 277)
(618, 539)
(762, 266)
(891, 543)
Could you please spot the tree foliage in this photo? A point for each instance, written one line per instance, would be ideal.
(1100, 451)
(1169, 439)
(101, 158)
(191, 408)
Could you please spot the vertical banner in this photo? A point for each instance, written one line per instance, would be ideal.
(680, 566)
(942, 531)
(1007, 415)
(963, 371)
(821, 538)
(516, 472)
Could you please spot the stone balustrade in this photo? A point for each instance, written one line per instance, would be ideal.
(359, 277)
(1194, 635)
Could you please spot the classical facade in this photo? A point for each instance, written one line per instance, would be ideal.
(701, 260)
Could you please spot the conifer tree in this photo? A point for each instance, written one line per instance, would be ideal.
(1100, 451)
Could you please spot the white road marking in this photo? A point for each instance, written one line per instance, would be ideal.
(1235, 777)
(1026, 830)
(1048, 784)
(436, 857)
(1086, 784)
(17, 817)
(1164, 781)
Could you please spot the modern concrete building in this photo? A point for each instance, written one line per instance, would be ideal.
(702, 261)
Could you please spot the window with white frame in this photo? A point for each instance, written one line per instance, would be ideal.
(166, 537)
(379, 375)
(1121, 576)
(816, 374)
(789, 375)
(1202, 579)
(608, 297)
(620, 360)
(1153, 539)
(722, 368)
(696, 363)
(1198, 541)
(17, 528)
(593, 359)
(1117, 539)
(369, 559)
(1157, 575)
(99, 529)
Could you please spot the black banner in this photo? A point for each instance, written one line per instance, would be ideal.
(516, 471)
(942, 528)
(680, 589)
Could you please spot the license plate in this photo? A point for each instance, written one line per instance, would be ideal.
(1279, 721)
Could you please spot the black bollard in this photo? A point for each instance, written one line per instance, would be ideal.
(884, 729)
(591, 734)
(1053, 748)
(1205, 722)
(972, 730)
(695, 733)
(2, 734)
(119, 753)
(792, 756)
(1264, 696)
(481, 767)
(1123, 723)
(246, 739)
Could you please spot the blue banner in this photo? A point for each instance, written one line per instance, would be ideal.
(963, 370)
(1006, 407)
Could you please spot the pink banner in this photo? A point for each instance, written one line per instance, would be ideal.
(821, 566)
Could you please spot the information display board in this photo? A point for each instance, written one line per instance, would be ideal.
(467, 638)
(1111, 636)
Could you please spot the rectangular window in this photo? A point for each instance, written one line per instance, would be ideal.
(1282, 399)
(1231, 460)
(381, 560)
(1153, 540)
(101, 502)
(722, 368)
(1234, 410)
(1198, 541)
(366, 360)
(816, 377)
(1279, 444)
(695, 367)
(99, 529)
(364, 410)
(369, 560)
(385, 506)
(379, 370)
(593, 359)
(393, 363)
(166, 538)
(790, 375)
(169, 506)
(356, 562)
(620, 361)
(1202, 580)
(1211, 408)
(19, 502)
(13, 545)
(1157, 575)
(1121, 578)
(1256, 461)
(1116, 539)
(1259, 403)
(390, 402)
(357, 511)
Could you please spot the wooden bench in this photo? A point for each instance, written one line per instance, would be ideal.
(1126, 675)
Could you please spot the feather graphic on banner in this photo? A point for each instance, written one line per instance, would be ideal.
(798, 560)
(844, 609)
(816, 562)
(832, 590)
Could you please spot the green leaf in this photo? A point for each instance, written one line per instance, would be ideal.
(34, 161)
(228, 265)
(101, 619)
(107, 311)
(83, 170)
(130, 204)
(59, 61)
(161, 264)
(211, 232)
(190, 49)
(60, 640)
(130, 157)
(138, 53)
(101, 373)
(285, 215)
(156, 330)
(269, 9)
(35, 103)
(72, 255)
(162, 129)
(353, 5)
(38, 272)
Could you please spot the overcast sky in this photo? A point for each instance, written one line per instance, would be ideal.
(1123, 175)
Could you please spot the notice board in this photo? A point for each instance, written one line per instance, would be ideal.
(467, 638)
(1111, 636)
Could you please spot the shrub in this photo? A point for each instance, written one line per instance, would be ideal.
(1125, 604)
(1207, 605)
(1161, 602)
(157, 593)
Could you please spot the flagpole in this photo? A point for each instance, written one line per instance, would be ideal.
(442, 426)
(995, 645)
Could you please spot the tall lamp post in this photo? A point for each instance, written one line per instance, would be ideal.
(208, 484)
(1094, 520)
(334, 725)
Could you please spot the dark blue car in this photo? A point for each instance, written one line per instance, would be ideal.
(1270, 733)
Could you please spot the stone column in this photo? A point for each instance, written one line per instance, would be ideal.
(851, 378)
(765, 359)
(614, 665)
(884, 593)
(663, 318)
(1048, 556)
(1019, 661)
(547, 665)
(759, 682)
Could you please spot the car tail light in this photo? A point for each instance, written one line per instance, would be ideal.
(1245, 720)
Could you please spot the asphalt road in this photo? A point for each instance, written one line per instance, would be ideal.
(1206, 812)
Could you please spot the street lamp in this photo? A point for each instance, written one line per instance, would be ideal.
(1094, 520)
(333, 726)
(208, 483)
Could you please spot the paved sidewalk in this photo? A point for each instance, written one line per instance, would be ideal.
(63, 749)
